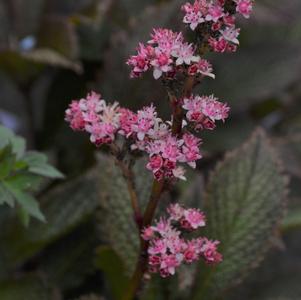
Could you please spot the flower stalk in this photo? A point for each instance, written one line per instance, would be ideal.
(170, 145)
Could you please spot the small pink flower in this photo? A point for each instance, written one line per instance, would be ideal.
(229, 20)
(203, 67)
(176, 211)
(148, 233)
(157, 247)
(141, 61)
(195, 13)
(191, 253)
(155, 163)
(185, 54)
(215, 12)
(210, 253)
(204, 111)
(195, 218)
(154, 260)
(179, 172)
(191, 149)
(74, 116)
(218, 45)
(145, 121)
(231, 34)
(169, 264)
(127, 120)
(161, 63)
(244, 7)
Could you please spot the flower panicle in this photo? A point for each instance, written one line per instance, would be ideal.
(169, 249)
(167, 53)
(146, 132)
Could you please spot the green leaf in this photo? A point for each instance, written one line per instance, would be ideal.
(110, 263)
(6, 196)
(7, 161)
(37, 163)
(116, 219)
(245, 202)
(24, 181)
(26, 201)
(8, 137)
(65, 207)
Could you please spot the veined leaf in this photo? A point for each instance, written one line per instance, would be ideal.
(24, 181)
(26, 201)
(65, 207)
(17, 143)
(37, 163)
(245, 203)
(7, 161)
(6, 196)
(116, 216)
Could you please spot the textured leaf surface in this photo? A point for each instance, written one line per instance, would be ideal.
(37, 163)
(17, 143)
(28, 203)
(244, 204)
(65, 207)
(116, 217)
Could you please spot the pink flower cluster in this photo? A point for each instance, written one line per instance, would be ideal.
(203, 111)
(168, 249)
(166, 54)
(218, 16)
(166, 153)
(144, 130)
(93, 115)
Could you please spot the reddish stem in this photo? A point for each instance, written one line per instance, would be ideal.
(157, 189)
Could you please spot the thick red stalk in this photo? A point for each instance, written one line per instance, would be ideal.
(157, 189)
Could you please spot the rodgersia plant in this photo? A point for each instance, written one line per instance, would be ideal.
(171, 145)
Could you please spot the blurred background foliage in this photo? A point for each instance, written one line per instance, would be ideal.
(52, 51)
